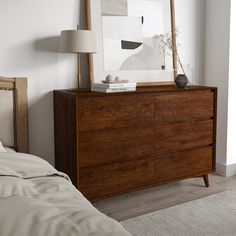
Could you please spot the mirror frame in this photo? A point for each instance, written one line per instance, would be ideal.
(174, 46)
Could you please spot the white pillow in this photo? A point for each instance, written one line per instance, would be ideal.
(26, 165)
(9, 149)
(2, 149)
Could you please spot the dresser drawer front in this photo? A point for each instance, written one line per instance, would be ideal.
(182, 106)
(183, 136)
(115, 112)
(101, 182)
(186, 164)
(111, 146)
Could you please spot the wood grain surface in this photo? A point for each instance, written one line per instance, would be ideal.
(183, 136)
(172, 166)
(111, 144)
(115, 112)
(176, 106)
(109, 180)
(65, 132)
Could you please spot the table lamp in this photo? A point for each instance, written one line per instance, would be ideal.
(78, 41)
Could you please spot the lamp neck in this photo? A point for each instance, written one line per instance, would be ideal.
(78, 72)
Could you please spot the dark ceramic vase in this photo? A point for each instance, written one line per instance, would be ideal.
(163, 67)
(181, 81)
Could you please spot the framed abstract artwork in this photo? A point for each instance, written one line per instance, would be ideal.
(135, 40)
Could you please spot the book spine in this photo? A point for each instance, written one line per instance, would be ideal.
(110, 86)
(113, 90)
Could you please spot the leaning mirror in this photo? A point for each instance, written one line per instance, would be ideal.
(134, 40)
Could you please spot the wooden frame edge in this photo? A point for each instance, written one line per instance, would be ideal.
(20, 103)
(21, 115)
(173, 32)
(174, 47)
(90, 56)
(7, 83)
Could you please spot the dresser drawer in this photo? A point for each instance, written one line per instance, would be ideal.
(115, 112)
(183, 136)
(185, 164)
(105, 181)
(186, 105)
(104, 147)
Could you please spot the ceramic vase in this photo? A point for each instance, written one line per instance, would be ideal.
(181, 81)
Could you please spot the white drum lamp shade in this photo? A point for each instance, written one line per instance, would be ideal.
(78, 41)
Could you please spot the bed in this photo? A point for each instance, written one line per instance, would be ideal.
(35, 198)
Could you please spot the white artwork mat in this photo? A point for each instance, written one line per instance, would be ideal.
(126, 41)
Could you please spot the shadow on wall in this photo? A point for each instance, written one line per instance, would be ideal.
(19, 57)
(50, 44)
(42, 52)
(46, 52)
(41, 124)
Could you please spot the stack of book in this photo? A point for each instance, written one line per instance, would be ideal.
(114, 87)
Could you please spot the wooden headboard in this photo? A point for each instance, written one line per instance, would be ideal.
(18, 88)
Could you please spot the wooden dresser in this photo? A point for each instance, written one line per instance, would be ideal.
(111, 144)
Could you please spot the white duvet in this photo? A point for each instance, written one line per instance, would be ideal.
(37, 200)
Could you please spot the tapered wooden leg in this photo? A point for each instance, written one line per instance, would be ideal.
(206, 180)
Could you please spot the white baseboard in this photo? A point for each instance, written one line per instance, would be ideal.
(225, 170)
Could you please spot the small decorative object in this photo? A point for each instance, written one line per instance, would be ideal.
(109, 79)
(164, 46)
(117, 79)
(181, 81)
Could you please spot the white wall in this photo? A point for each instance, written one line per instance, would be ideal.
(28, 48)
(217, 65)
(231, 150)
(190, 16)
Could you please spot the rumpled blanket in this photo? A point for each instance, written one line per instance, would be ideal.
(37, 200)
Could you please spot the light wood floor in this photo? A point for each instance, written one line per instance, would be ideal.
(152, 199)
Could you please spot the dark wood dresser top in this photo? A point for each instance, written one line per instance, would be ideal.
(115, 143)
(146, 90)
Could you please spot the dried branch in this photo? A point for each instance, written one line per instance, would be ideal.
(166, 46)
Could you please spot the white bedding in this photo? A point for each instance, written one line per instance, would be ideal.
(5, 149)
(2, 149)
(37, 200)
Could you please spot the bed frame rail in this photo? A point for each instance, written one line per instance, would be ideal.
(20, 101)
